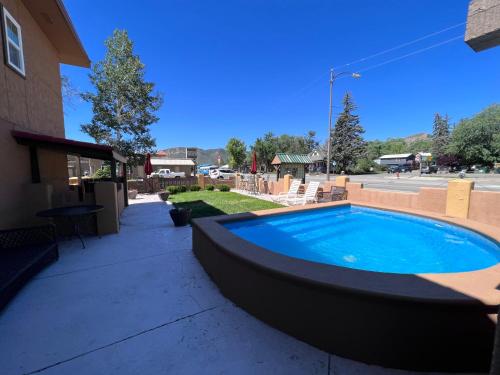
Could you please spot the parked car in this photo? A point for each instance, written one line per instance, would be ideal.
(429, 169)
(222, 173)
(393, 169)
(167, 173)
(399, 168)
(206, 169)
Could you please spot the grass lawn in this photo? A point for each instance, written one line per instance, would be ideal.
(211, 203)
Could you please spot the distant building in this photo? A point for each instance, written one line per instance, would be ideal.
(397, 159)
(483, 24)
(293, 164)
(175, 165)
(318, 161)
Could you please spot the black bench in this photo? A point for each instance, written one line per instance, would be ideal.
(23, 253)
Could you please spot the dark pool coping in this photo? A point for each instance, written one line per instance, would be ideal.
(464, 288)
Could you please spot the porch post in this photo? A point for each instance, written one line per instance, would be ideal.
(125, 183)
(35, 168)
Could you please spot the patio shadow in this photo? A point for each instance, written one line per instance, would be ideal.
(200, 208)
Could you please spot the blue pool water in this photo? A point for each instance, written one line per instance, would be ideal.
(370, 239)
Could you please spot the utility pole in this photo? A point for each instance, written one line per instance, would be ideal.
(329, 146)
(333, 77)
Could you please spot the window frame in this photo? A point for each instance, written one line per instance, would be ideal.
(6, 40)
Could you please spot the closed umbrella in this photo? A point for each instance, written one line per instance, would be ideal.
(148, 168)
(253, 171)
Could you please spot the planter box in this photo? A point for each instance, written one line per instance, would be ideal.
(132, 194)
(180, 216)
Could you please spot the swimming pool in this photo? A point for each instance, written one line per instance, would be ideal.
(370, 239)
(397, 290)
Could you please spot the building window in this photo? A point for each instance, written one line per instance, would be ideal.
(13, 43)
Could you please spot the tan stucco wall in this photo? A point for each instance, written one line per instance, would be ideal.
(31, 104)
(485, 207)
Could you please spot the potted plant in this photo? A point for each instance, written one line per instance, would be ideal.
(164, 195)
(132, 194)
(180, 216)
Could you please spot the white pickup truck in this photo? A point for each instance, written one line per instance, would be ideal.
(167, 173)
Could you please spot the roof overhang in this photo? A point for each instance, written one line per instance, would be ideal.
(53, 19)
(85, 149)
(483, 24)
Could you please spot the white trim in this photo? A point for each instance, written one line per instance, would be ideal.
(6, 15)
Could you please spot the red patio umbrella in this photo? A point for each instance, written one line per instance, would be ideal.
(148, 168)
(253, 170)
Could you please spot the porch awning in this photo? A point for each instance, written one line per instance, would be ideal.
(85, 149)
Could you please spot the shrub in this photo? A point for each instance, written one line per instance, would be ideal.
(104, 172)
(195, 188)
(172, 189)
(182, 189)
(224, 188)
(210, 187)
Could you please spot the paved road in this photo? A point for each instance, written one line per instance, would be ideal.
(412, 182)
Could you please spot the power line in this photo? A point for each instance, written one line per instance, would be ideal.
(412, 53)
(400, 46)
(325, 73)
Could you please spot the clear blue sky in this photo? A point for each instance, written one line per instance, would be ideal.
(234, 68)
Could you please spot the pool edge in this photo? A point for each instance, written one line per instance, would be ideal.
(271, 285)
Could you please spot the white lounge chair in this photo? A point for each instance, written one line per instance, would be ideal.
(308, 197)
(292, 192)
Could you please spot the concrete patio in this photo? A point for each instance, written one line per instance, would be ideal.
(138, 302)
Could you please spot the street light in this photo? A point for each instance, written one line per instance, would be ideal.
(333, 77)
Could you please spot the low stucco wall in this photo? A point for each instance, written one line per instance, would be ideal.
(427, 199)
(485, 207)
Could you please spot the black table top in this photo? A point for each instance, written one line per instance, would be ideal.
(70, 211)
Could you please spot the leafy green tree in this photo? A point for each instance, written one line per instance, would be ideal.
(237, 151)
(419, 145)
(266, 149)
(374, 149)
(477, 140)
(440, 136)
(123, 103)
(395, 146)
(310, 142)
(347, 141)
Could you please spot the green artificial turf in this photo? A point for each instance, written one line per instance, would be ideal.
(211, 203)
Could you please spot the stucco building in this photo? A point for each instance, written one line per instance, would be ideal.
(483, 24)
(37, 36)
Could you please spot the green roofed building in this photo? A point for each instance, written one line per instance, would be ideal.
(293, 164)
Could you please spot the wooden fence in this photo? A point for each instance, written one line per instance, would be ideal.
(156, 184)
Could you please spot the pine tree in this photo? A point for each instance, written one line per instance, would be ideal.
(347, 141)
(123, 104)
(440, 136)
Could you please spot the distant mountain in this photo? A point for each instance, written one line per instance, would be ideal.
(417, 137)
(208, 156)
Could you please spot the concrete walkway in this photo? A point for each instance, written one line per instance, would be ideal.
(139, 303)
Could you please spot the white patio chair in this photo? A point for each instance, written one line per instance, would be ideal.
(308, 197)
(292, 192)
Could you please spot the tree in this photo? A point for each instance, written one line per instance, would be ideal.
(310, 141)
(123, 103)
(347, 141)
(477, 140)
(440, 136)
(237, 151)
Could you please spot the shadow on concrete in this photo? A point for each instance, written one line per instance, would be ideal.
(200, 208)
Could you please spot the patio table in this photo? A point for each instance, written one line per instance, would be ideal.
(75, 214)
